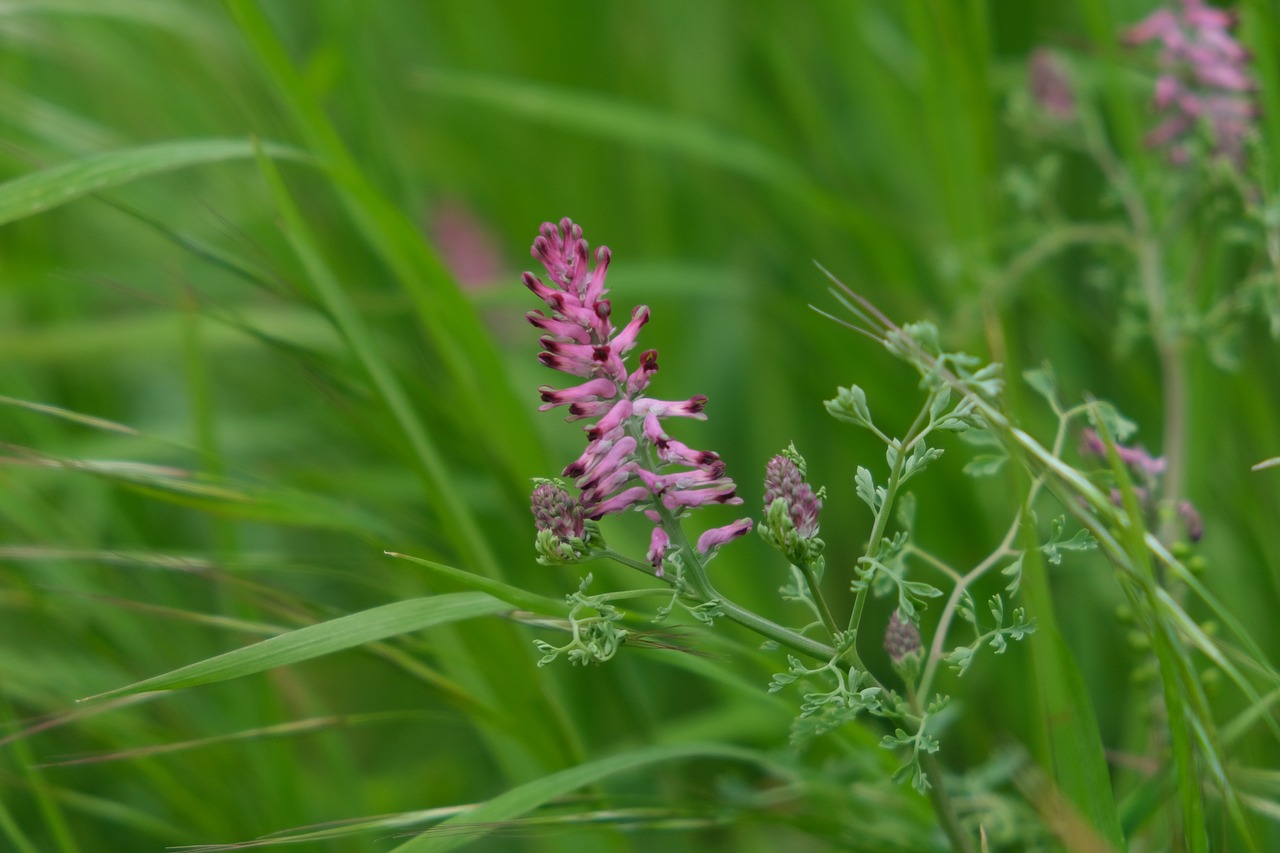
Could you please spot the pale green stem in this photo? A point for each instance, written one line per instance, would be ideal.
(877, 532)
(824, 611)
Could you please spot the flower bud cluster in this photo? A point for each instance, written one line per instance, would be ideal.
(902, 642)
(564, 533)
(791, 509)
(1203, 78)
(630, 461)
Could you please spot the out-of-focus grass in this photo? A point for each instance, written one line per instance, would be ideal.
(308, 367)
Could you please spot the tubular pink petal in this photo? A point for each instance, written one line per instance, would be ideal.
(656, 483)
(691, 408)
(652, 428)
(625, 340)
(619, 502)
(587, 409)
(595, 288)
(562, 329)
(595, 389)
(658, 542)
(676, 452)
(611, 483)
(701, 497)
(606, 461)
(717, 536)
(616, 416)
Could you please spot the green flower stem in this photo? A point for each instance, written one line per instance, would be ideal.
(943, 806)
(815, 593)
(878, 528)
(937, 649)
(695, 573)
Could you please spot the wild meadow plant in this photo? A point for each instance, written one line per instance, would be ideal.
(744, 659)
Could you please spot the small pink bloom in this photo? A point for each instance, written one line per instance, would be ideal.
(623, 500)
(595, 389)
(658, 542)
(717, 536)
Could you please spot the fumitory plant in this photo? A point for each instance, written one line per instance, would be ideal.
(632, 465)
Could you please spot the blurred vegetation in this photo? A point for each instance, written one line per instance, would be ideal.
(313, 391)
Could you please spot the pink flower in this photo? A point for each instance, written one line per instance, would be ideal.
(466, 245)
(1203, 79)
(717, 536)
(658, 544)
(1137, 458)
(630, 461)
(1050, 86)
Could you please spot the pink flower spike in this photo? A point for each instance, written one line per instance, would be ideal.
(717, 536)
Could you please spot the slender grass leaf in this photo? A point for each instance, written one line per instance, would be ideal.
(1075, 750)
(513, 595)
(613, 118)
(462, 529)
(462, 343)
(524, 798)
(313, 641)
(49, 188)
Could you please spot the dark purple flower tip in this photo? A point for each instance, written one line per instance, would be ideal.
(901, 638)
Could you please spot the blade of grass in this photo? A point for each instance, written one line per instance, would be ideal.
(513, 595)
(476, 823)
(452, 324)
(1070, 731)
(49, 188)
(336, 635)
(457, 521)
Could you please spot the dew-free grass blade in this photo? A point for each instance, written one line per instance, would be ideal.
(56, 185)
(325, 638)
(513, 595)
(524, 798)
(1070, 730)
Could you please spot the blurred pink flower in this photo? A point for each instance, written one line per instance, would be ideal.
(1203, 78)
(466, 245)
(1050, 86)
